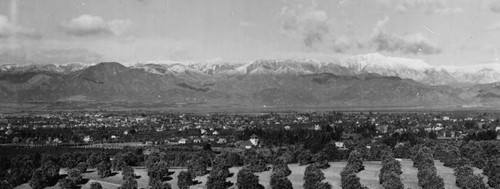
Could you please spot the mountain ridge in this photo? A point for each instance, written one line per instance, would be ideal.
(360, 81)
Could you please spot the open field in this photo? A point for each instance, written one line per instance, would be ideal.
(369, 177)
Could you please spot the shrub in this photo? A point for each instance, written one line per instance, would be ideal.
(356, 161)
(217, 178)
(75, 176)
(66, 183)
(95, 185)
(313, 177)
(129, 183)
(197, 167)
(39, 179)
(305, 157)
(247, 180)
(103, 170)
(280, 183)
(184, 180)
(157, 171)
(128, 172)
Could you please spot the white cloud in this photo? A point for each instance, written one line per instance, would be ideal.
(415, 43)
(118, 27)
(245, 24)
(493, 27)
(88, 25)
(8, 29)
(47, 56)
(344, 43)
(495, 6)
(424, 6)
(308, 24)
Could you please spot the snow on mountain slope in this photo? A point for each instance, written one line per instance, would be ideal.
(407, 68)
(51, 68)
(420, 71)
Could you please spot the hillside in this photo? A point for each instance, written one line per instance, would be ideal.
(267, 83)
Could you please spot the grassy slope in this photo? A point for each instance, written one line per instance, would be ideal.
(369, 177)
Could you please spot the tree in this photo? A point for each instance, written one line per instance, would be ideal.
(279, 175)
(157, 171)
(356, 161)
(67, 183)
(280, 183)
(103, 170)
(160, 185)
(128, 172)
(392, 181)
(349, 180)
(247, 180)
(197, 167)
(93, 160)
(119, 162)
(75, 176)
(466, 179)
(320, 160)
(184, 180)
(313, 177)
(38, 180)
(281, 169)
(332, 152)
(492, 170)
(305, 157)
(95, 185)
(217, 178)
(82, 167)
(51, 169)
(129, 183)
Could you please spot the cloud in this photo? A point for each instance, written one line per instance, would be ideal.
(424, 6)
(308, 24)
(415, 43)
(118, 27)
(344, 43)
(88, 25)
(495, 6)
(493, 27)
(47, 56)
(13, 56)
(58, 56)
(245, 24)
(9, 29)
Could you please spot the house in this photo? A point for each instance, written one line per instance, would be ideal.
(151, 150)
(87, 138)
(215, 133)
(246, 144)
(317, 127)
(340, 145)
(287, 127)
(203, 131)
(182, 141)
(197, 140)
(222, 141)
(254, 139)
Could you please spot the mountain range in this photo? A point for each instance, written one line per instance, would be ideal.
(369, 80)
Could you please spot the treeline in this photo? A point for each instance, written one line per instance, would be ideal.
(427, 172)
(348, 177)
(463, 156)
(390, 173)
(311, 139)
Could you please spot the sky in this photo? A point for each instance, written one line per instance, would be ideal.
(440, 32)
